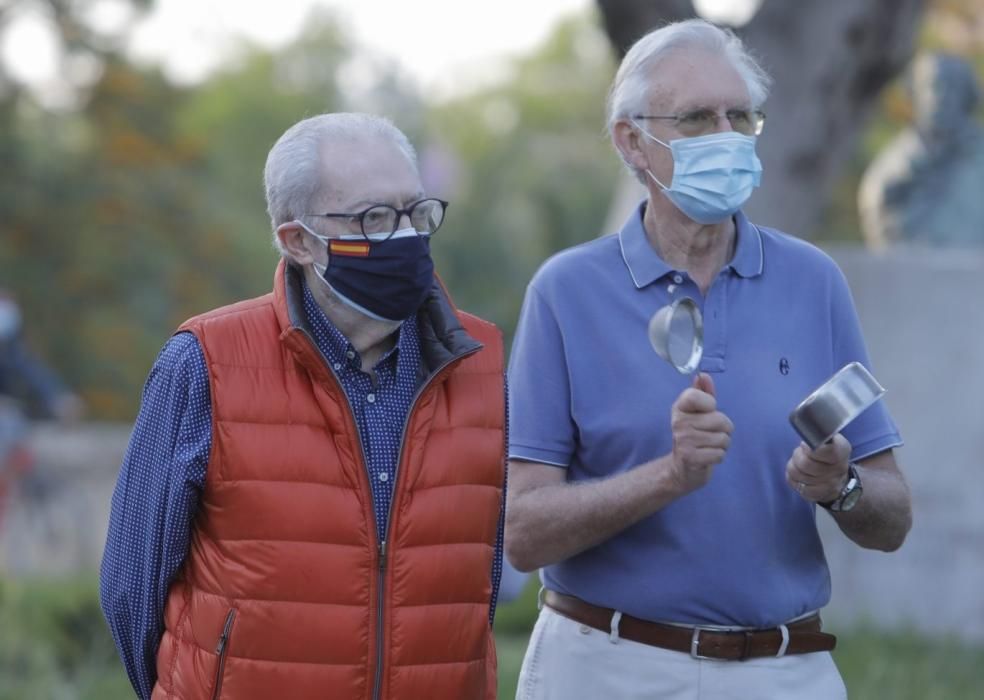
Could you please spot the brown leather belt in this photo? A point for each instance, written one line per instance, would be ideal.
(802, 637)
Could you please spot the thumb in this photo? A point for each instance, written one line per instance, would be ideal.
(703, 382)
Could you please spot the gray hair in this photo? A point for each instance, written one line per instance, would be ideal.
(630, 89)
(294, 175)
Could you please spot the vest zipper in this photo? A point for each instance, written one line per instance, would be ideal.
(378, 684)
(221, 649)
(382, 550)
(382, 541)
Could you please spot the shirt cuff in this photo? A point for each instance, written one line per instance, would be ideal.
(874, 446)
(538, 454)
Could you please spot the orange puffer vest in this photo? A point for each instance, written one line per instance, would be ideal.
(287, 592)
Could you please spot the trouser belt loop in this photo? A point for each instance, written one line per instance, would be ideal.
(616, 619)
(746, 645)
(784, 631)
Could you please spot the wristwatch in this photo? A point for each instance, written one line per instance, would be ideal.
(849, 494)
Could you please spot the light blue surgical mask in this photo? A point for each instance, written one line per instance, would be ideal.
(713, 175)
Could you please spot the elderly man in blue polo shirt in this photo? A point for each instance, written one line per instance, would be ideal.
(675, 524)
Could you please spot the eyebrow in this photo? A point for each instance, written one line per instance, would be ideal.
(705, 107)
(367, 203)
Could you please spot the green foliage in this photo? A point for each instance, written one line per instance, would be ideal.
(518, 616)
(144, 205)
(55, 644)
(537, 170)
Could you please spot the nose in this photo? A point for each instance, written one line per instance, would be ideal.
(722, 124)
(404, 218)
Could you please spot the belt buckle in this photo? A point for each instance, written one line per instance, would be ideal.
(695, 645)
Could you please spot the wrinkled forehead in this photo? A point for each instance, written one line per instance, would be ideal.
(367, 170)
(694, 78)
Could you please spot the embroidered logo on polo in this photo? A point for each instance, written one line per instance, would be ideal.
(783, 366)
(353, 249)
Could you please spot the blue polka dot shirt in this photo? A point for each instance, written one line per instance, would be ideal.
(163, 474)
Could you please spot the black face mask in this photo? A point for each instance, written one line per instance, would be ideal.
(386, 280)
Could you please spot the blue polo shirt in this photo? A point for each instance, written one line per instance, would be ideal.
(589, 395)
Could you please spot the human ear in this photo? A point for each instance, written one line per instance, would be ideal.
(628, 142)
(296, 243)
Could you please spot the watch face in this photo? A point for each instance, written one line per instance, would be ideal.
(850, 499)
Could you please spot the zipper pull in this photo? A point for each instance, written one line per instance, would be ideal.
(382, 555)
(225, 632)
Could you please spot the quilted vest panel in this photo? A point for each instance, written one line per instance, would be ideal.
(285, 586)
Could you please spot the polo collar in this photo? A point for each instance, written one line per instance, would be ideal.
(749, 257)
(645, 266)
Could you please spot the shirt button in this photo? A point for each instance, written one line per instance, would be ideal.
(584, 629)
(350, 354)
(337, 366)
(678, 279)
(383, 476)
(371, 398)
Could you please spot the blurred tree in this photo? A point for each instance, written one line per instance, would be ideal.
(140, 203)
(830, 60)
(47, 182)
(536, 171)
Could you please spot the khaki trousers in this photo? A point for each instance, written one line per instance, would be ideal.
(569, 661)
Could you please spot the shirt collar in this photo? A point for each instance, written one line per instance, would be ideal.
(645, 266)
(331, 341)
(748, 260)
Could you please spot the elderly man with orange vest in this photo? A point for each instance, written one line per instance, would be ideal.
(311, 502)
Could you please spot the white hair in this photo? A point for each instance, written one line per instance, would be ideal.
(630, 90)
(294, 176)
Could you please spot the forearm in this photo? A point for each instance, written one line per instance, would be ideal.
(129, 601)
(882, 518)
(153, 505)
(548, 524)
(124, 609)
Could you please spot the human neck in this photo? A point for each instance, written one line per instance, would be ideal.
(700, 249)
(370, 337)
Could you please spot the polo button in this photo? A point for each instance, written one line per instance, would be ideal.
(337, 366)
(678, 279)
(350, 354)
(371, 398)
(383, 476)
(584, 629)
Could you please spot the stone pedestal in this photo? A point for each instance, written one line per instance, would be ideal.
(923, 316)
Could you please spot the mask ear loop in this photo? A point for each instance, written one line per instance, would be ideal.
(655, 179)
(649, 136)
(319, 269)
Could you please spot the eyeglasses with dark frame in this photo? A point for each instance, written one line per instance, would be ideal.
(380, 221)
(702, 121)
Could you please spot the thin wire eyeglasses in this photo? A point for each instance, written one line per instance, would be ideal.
(703, 121)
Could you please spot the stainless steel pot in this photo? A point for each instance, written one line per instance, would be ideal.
(836, 403)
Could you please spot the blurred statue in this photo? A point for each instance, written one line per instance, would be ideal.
(927, 186)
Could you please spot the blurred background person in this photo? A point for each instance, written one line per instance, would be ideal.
(24, 376)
